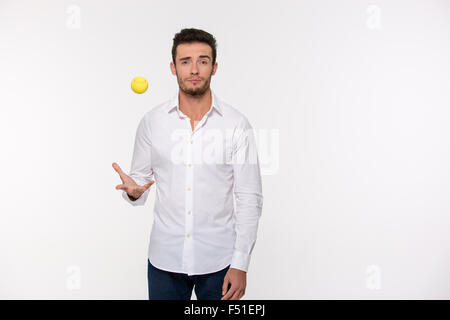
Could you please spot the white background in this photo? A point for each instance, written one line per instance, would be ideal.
(358, 91)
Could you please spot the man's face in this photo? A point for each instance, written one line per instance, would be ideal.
(194, 67)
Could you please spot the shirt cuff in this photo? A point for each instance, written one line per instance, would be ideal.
(240, 261)
(140, 201)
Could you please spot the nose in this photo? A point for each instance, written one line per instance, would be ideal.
(194, 68)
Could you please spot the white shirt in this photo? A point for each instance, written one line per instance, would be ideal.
(197, 227)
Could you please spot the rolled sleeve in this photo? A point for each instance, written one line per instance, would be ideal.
(247, 193)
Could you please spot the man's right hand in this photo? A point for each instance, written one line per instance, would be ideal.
(128, 185)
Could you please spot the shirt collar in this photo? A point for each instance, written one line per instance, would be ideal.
(215, 105)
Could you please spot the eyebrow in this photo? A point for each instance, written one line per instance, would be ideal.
(187, 58)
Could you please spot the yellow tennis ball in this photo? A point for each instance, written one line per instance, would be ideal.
(139, 84)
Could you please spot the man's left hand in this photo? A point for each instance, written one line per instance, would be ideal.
(238, 280)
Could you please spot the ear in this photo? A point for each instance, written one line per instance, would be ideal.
(172, 68)
(214, 68)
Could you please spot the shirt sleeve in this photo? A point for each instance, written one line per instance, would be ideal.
(247, 193)
(141, 167)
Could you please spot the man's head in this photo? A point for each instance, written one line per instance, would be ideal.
(193, 58)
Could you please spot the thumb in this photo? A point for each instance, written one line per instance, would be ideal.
(146, 186)
(225, 285)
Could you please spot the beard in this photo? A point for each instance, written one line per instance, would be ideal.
(194, 91)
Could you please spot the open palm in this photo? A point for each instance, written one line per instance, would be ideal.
(129, 185)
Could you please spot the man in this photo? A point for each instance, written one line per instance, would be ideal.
(200, 151)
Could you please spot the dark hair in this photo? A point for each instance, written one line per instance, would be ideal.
(194, 35)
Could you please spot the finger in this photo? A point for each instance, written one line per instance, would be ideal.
(236, 295)
(225, 285)
(118, 170)
(230, 293)
(120, 187)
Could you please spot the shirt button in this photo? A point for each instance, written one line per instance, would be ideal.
(189, 212)
(189, 165)
(192, 141)
(188, 235)
(189, 188)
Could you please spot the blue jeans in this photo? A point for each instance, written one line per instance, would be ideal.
(165, 285)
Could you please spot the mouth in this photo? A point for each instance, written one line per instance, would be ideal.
(194, 80)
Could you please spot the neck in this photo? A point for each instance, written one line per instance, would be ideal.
(195, 106)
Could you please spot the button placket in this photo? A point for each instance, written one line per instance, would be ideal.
(192, 148)
(189, 201)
